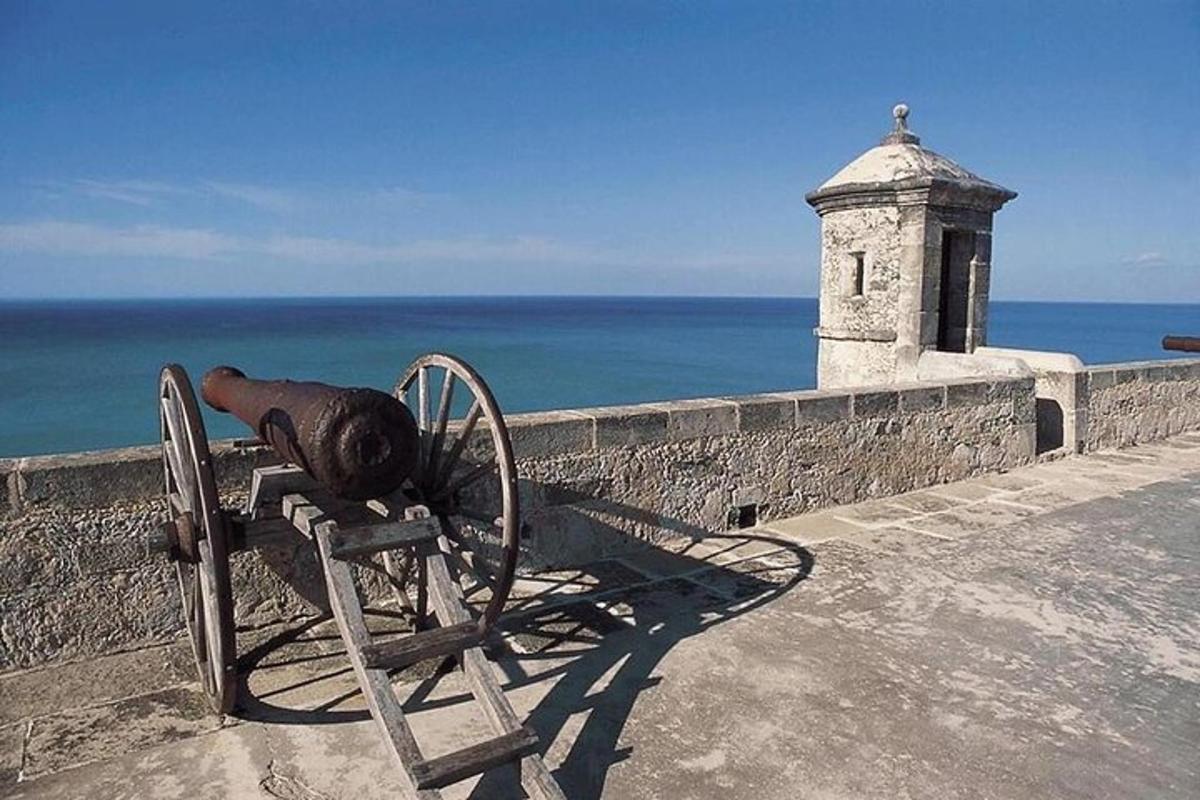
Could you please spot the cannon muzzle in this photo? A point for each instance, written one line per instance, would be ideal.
(1187, 344)
(356, 443)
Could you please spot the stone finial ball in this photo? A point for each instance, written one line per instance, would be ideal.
(900, 111)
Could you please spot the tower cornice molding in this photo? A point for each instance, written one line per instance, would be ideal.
(909, 192)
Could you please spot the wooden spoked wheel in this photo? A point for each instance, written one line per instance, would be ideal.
(197, 537)
(466, 475)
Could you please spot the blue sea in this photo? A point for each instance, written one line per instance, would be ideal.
(82, 375)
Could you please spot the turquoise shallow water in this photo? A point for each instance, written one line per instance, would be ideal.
(82, 375)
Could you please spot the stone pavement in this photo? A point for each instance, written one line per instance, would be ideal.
(1031, 634)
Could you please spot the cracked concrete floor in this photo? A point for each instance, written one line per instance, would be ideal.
(1031, 634)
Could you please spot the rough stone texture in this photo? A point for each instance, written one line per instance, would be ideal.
(858, 330)
(1039, 641)
(1141, 401)
(829, 455)
(9, 491)
(550, 433)
(75, 579)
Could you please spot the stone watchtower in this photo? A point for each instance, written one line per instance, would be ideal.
(906, 241)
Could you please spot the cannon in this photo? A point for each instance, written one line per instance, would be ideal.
(423, 479)
(1186, 344)
(356, 443)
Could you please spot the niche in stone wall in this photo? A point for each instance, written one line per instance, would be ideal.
(1049, 425)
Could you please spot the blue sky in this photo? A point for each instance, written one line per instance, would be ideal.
(234, 149)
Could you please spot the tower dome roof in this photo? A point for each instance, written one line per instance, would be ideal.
(900, 164)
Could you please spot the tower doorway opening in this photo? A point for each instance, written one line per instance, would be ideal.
(954, 294)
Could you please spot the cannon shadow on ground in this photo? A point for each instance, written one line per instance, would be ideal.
(585, 640)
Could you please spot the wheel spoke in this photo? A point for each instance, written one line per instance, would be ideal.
(198, 617)
(423, 398)
(471, 476)
(452, 457)
(476, 563)
(486, 521)
(181, 475)
(423, 414)
(443, 416)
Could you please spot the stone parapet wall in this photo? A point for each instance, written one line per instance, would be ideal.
(1141, 401)
(75, 579)
(686, 468)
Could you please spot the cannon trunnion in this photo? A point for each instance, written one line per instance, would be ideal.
(423, 480)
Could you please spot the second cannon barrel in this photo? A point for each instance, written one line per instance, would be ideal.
(1187, 344)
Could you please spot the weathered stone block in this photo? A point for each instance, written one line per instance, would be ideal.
(622, 426)
(765, 412)
(88, 480)
(689, 419)
(1012, 387)
(1175, 371)
(969, 393)
(1126, 375)
(1024, 410)
(1100, 379)
(814, 408)
(234, 465)
(1152, 374)
(1081, 389)
(93, 615)
(10, 492)
(1023, 446)
(550, 433)
(876, 403)
(922, 398)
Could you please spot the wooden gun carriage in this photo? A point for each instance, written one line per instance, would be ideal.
(431, 492)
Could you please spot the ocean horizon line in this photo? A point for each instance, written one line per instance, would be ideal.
(564, 296)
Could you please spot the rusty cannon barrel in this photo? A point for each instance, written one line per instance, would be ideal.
(356, 443)
(1186, 344)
